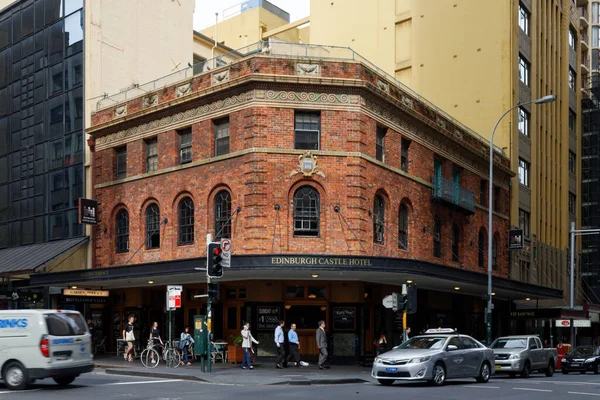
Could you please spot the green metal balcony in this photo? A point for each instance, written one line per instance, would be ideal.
(452, 193)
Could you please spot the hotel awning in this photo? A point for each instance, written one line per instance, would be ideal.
(387, 271)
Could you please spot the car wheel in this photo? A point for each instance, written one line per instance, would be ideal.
(64, 380)
(484, 373)
(550, 370)
(386, 382)
(15, 376)
(565, 372)
(526, 370)
(596, 369)
(439, 375)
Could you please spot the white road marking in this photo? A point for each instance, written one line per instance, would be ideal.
(20, 391)
(140, 382)
(585, 394)
(534, 390)
(567, 382)
(481, 387)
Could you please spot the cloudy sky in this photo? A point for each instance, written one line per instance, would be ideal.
(206, 9)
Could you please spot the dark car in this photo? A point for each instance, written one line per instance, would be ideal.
(582, 359)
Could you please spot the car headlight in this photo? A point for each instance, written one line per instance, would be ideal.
(378, 361)
(589, 360)
(515, 356)
(419, 360)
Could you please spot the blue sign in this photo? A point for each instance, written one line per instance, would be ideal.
(63, 341)
(20, 323)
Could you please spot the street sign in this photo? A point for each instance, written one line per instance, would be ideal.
(174, 297)
(226, 256)
(582, 323)
(226, 245)
(562, 323)
(388, 301)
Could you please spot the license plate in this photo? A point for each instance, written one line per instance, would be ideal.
(498, 367)
(575, 365)
(391, 370)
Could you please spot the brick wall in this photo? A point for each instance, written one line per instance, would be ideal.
(258, 181)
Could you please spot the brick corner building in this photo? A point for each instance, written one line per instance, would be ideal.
(335, 183)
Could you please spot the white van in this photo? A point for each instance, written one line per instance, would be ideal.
(38, 344)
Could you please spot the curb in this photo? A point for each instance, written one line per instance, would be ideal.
(112, 371)
(340, 381)
(287, 382)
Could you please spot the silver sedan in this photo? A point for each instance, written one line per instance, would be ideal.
(438, 355)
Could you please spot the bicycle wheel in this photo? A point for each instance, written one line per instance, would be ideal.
(150, 358)
(172, 358)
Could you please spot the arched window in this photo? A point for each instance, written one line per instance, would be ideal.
(153, 227)
(403, 227)
(122, 231)
(495, 252)
(437, 238)
(223, 215)
(455, 242)
(481, 249)
(378, 219)
(186, 221)
(307, 211)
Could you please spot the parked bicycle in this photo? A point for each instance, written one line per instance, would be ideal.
(170, 356)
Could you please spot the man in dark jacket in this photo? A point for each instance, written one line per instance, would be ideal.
(322, 344)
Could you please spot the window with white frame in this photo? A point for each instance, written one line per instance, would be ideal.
(524, 67)
(523, 121)
(572, 78)
(523, 172)
(524, 19)
(151, 155)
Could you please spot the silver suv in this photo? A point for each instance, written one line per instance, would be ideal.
(438, 355)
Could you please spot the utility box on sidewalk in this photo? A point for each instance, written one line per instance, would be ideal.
(200, 335)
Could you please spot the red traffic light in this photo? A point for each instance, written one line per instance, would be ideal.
(217, 251)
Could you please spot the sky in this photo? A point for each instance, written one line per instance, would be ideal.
(204, 16)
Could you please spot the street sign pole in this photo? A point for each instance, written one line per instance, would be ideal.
(208, 307)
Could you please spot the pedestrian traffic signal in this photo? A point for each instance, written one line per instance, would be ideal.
(213, 291)
(411, 299)
(214, 267)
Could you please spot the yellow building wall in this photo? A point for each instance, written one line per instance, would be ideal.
(459, 68)
(246, 28)
(367, 27)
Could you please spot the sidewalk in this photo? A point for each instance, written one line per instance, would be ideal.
(232, 374)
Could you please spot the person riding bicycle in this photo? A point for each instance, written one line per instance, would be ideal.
(184, 343)
(156, 340)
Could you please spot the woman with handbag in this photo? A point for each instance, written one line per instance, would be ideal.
(184, 343)
(247, 340)
(129, 337)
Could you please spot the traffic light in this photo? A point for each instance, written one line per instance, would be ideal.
(411, 299)
(214, 268)
(213, 291)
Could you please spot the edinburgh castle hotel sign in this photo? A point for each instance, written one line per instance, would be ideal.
(324, 261)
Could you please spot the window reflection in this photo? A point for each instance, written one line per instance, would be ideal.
(74, 33)
(73, 71)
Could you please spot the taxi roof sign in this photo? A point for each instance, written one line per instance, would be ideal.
(441, 330)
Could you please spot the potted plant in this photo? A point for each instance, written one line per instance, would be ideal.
(235, 353)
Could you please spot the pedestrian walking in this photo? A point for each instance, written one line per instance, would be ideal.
(185, 339)
(294, 346)
(129, 337)
(279, 343)
(247, 340)
(322, 344)
(156, 340)
(380, 344)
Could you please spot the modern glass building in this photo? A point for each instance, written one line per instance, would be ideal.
(41, 121)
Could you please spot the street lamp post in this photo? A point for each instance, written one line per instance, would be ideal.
(543, 100)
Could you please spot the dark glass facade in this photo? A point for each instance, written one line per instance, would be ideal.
(41, 121)
(590, 193)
